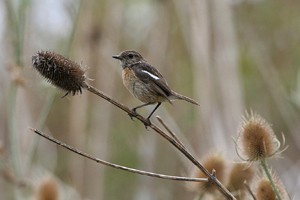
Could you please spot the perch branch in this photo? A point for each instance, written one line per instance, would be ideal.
(183, 150)
(81, 153)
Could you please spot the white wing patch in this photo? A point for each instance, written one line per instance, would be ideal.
(152, 75)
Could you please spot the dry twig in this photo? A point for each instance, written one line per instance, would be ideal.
(163, 176)
(173, 141)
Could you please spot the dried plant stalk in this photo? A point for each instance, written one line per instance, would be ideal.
(78, 82)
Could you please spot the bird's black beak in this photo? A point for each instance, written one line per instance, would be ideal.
(117, 57)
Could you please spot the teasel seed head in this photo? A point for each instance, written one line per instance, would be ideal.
(265, 191)
(239, 174)
(60, 71)
(256, 139)
(213, 162)
(264, 188)
(47, 190)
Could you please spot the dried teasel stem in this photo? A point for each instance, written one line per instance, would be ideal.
(77, 82)
(151, 174)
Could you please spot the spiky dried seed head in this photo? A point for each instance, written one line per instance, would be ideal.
(264, 189)
(240, 172)
(256, 138)
(47, 190)
(60, 71)
(212, 162)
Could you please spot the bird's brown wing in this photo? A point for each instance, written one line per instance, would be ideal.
(151, 76)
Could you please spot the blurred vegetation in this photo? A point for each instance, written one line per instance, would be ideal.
(231, 56)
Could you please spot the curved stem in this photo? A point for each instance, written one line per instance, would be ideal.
(184, 151)
(162, 176)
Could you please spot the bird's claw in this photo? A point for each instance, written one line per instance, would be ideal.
(147, 123)
(132, 115)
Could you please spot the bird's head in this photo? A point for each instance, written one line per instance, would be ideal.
(128, 58)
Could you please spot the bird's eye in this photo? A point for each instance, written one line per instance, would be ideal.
(130, 55)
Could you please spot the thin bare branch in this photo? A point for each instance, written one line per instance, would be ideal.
(184, 151)
(81, 153)
(119, 105)
(169, 131)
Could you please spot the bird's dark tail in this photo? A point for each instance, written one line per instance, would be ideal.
(182, 97)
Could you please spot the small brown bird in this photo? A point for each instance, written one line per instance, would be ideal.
(145, 82)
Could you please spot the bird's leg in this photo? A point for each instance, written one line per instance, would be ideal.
(135, 108)
(148, 118)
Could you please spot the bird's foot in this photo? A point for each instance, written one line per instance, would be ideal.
(132, 115)
(147, 123)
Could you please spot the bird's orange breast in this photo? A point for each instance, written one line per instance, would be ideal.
(128, 78)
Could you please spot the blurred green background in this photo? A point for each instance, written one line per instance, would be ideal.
(231, 56)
